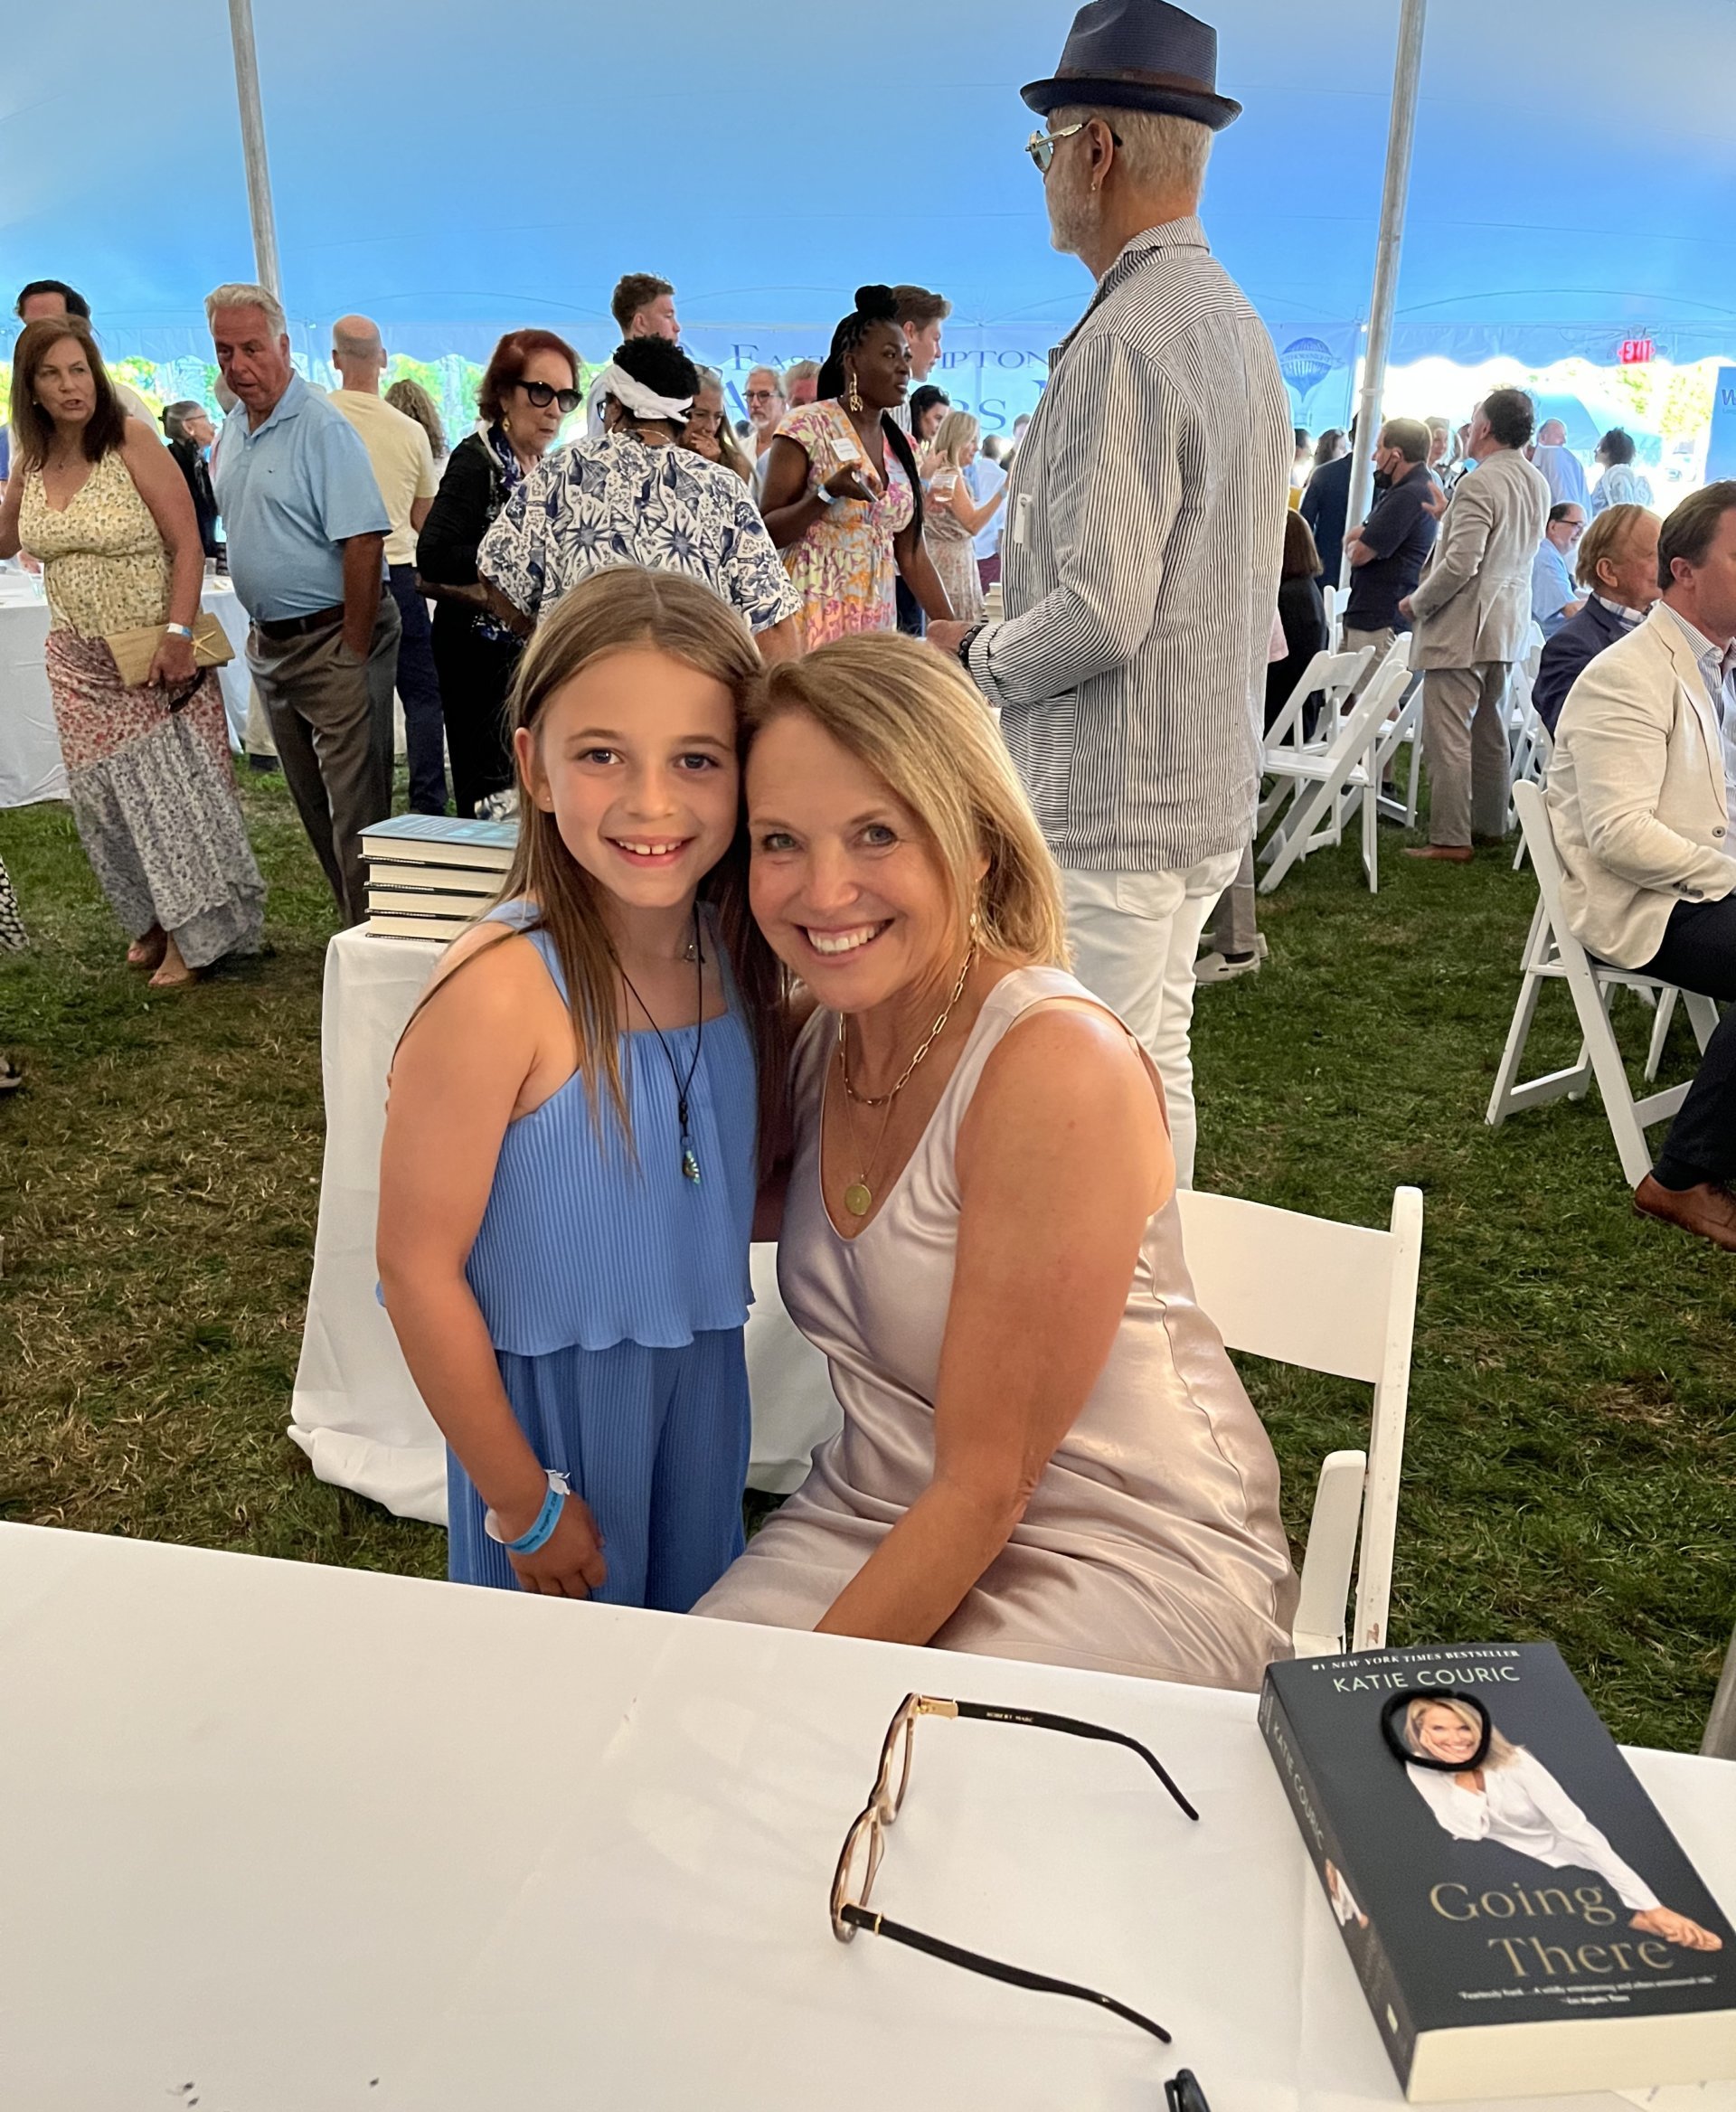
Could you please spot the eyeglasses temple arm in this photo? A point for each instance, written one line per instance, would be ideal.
(1072, 1727)
(1014, 1976)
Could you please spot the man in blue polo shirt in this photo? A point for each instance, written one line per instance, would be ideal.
(306, 532)
(1388, 551)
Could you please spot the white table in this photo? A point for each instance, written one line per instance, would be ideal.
(295, 1839)
(355, 1411)
(30, 749)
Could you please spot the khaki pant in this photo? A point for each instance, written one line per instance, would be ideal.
(1465, 738)
(1354, 641)
(331, 718)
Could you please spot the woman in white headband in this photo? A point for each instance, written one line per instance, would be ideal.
(629, 495)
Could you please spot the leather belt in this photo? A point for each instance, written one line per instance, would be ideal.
(298, 626)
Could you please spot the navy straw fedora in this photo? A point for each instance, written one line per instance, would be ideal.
(1139, 55)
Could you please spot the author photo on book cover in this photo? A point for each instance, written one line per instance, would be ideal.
(1512, 1799)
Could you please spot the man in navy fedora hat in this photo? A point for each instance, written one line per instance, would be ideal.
(1143, 526)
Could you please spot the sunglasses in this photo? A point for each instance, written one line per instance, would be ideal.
(542, 395)
(1041, 146)
(864, 1844)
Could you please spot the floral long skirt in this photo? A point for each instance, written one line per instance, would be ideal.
(154, 797)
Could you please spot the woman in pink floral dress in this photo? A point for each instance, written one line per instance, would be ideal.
(842, 498)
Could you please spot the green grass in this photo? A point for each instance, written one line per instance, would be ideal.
(1571, 1461)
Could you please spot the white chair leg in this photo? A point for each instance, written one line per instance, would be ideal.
(1703, 1016)
(1611, 1074)
(1660, 1033)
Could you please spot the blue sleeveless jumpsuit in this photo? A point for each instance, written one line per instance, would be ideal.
(615, 1291)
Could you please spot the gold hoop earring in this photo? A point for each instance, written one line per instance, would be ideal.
(505, 424)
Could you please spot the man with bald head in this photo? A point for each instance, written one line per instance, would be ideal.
(403, 467)
(1559, 463)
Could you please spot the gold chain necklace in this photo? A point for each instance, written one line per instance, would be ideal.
(859, 1197)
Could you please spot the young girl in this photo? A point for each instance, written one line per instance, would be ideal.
(568, 1176)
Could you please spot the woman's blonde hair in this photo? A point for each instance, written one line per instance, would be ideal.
(957, 431)
(735, 455)
(410, 397)
(612, 612)
(1502, 1752)
(916, 719)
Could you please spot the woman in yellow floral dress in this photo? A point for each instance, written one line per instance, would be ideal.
(97, 497)
(842, 498)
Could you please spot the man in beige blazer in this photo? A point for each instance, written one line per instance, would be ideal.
(1638, 801)
(1471, 614)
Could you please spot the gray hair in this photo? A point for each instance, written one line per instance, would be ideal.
(346, 344)
(798, 370)
(176, 416)
(240, 294)
(1163, 153)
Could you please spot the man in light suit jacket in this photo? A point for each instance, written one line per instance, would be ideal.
(1639, 804)
(1472, 617)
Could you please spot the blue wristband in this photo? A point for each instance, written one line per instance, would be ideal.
(542, 1531)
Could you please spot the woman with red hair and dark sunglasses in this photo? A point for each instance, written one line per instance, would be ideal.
(531, 385)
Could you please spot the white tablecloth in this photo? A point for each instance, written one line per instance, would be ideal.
(356, 1412)
(295, 1839)
(30, 749)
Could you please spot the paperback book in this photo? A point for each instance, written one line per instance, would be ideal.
(439, 839)
(1522, 1920)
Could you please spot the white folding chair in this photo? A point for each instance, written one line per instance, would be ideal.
(1333, 675)
(1552, 954)
(1530, 767)
(1331, 783)
(1329, 1298)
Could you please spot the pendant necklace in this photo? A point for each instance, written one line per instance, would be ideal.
(684, 1086)
(859, 1197)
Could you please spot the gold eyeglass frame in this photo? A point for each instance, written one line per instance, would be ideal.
(850, 1916)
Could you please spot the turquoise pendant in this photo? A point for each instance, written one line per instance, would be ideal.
(690, 1165)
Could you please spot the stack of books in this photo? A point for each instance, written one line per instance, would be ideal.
(430, 877)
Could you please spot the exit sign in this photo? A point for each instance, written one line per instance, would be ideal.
(1636, 352)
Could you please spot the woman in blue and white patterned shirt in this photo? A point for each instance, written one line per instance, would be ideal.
(631, 496)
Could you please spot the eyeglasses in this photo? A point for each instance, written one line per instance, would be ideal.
(761, 395)
(1041, 146)
(542, 395)
(865, 1844)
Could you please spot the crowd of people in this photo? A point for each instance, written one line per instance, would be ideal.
(785, 941)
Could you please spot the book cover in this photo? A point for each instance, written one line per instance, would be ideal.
(1522, 1920)
(441, 839)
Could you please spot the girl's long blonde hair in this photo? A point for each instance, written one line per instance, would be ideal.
(611, 612)
(917, 720)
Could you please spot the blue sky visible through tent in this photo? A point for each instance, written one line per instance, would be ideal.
(454, 170)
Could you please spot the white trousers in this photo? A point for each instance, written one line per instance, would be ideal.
(1135, 937)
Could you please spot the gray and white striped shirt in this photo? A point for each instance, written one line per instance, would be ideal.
(1145, 523)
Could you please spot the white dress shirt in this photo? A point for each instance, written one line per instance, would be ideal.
(1524, 1808)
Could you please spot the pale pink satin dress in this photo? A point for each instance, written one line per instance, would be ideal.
(1152, 1544)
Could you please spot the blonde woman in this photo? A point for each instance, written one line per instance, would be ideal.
(1514, 1799)
(1045, 1452)
(708, 432)
(954, 518)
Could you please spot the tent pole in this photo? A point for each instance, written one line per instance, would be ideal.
(1406, 74)
(258, 171)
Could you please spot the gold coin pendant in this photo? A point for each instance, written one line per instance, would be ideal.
(858, 1199)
